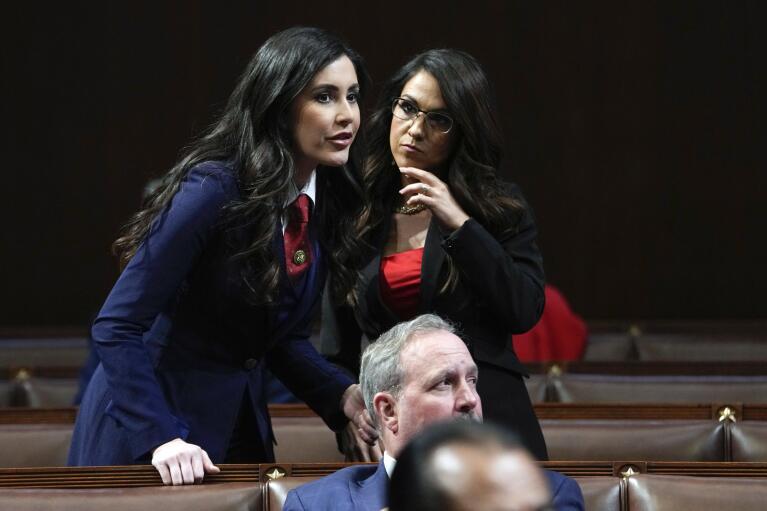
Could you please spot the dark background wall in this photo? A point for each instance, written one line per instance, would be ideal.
(637, 130)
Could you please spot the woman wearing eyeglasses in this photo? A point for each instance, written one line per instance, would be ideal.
(450, 237)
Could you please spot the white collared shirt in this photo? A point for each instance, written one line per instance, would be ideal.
(389, 464)
(309, 188)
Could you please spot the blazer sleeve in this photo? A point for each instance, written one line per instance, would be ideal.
(507, 273)
(320, 384)
(146, 287)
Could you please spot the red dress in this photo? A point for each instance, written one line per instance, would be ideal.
(559, 335)
(400, 282)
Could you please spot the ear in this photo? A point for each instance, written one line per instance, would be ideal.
(386, 411)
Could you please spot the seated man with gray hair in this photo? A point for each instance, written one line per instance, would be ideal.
(416, 374)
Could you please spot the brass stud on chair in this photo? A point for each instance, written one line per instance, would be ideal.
(628, 471)
(276, 473)
(555, 371)
(726, 414)
(21, 375)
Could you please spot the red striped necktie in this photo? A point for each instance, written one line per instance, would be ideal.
(298, 251)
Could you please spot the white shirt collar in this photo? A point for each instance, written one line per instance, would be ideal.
(309, 188)
(389, 463)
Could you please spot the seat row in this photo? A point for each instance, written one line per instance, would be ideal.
(24, 390)
(606, 486)
(744, 383)
(686, 341)
(560, 387)
(30, 437)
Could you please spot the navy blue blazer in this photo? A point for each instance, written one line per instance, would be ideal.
(180, 343)
(364, 488)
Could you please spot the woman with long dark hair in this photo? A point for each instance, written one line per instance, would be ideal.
(222, 268)
(449, 236)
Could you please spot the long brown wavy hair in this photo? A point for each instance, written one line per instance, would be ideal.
(253, 134)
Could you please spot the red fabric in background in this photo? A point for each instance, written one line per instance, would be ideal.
(559, 335)
(400, 282)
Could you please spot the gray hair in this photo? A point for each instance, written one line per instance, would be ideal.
(381, 368)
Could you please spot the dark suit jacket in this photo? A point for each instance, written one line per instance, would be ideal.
(365, 487)
(358, 488)
(499, 293)
(180, 343)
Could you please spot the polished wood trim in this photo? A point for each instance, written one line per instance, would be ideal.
(146, 475)
(754, 413)
(652, 368)
(64, 373)
(570, 411)
(38, 415)
(664, 326)
(708, 468)
(544, 411)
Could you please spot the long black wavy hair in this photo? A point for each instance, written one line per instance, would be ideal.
(476, 154)
(253, 132)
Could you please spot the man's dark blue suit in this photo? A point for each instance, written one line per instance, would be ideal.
(364, 487)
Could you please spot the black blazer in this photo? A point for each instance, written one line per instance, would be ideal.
(499, 292)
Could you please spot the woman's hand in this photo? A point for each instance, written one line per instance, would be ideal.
(353, 405)
(356, 449)
(181, 463)
(433, 193)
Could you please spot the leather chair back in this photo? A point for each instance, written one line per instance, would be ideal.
(610, 346)
(34, 445)
(43, 352)
(5, 393)
(590, 388)
(748, 440)
(701, 347)
(47, 392)
(687, 493)
(210, 497)
(601, 493)
(304, 440)
(673, 440)
(537, 387)
(276, 491)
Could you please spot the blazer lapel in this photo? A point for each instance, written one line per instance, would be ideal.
(305, 301)
(372, 308)
(370, 494)
(433, 257)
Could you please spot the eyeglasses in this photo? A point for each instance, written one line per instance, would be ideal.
(406, 110)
